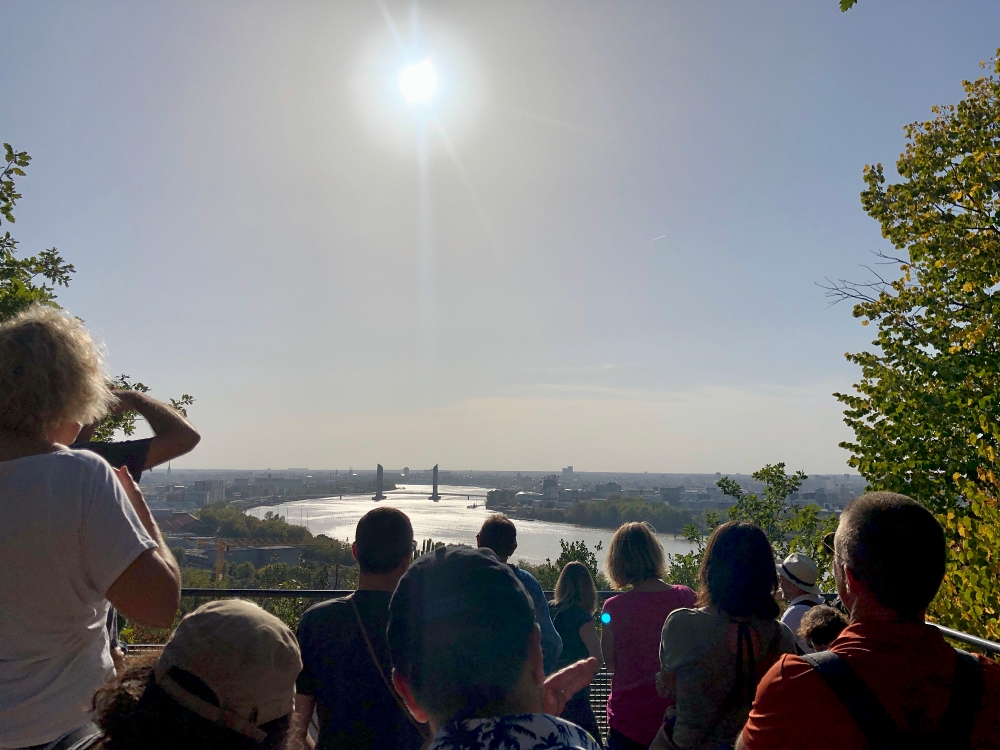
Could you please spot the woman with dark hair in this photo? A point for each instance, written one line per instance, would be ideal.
(573, 616)
(711, 657)
(225, 681)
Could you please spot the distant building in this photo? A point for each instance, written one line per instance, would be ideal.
(611, 488)
(261, 556)
(406, 471)
(215, 488)
(671, 495)
(550, 488)
(529, 498)
(567, 471)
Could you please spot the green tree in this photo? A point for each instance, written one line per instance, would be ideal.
(24, 281)
(932, 381)
(969, 597)
(789, 527)
(846, 5)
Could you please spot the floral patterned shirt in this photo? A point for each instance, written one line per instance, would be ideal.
(525, 732)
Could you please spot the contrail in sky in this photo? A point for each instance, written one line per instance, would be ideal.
(655, 239)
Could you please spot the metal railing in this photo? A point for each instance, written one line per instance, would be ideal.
(980, 644)
(600, 688)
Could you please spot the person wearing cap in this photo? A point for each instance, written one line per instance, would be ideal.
(467, 657)
(890, 679)
(797, 577)
(224, 681)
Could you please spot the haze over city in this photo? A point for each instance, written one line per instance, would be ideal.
(597, 242)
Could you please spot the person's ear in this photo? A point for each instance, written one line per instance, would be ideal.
(354, 551)
(515, 548)
(535, 659)
(478, 543)
(407, 695)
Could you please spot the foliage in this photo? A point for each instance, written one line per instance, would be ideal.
(969, 597)
(613, 512)
(125, 422)
(18, 287)
(548, 572)
(846, 5)
(789, 528)
(933, 380)
(683, 568)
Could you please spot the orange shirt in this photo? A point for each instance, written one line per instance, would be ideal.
(909, 667)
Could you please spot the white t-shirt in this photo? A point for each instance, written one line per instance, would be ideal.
(67, 532)
(792, 617)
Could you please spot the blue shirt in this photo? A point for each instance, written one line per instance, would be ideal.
(525, 732)
(551, 642)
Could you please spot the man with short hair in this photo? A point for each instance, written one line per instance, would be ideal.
(797, 577)
(906, 686)
(499, 534)
(467, 657)
(345, 657)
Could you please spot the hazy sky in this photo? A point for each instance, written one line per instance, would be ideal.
(607, 255)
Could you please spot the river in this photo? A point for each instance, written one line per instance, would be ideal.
(450, 520)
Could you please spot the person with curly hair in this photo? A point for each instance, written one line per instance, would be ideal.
(224, 681)
(76, 535)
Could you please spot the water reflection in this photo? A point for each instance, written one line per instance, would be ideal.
(450, 520)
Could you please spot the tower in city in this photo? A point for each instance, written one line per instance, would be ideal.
(434, 495)
(378, 485)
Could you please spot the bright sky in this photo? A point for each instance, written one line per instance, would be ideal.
(596, 244)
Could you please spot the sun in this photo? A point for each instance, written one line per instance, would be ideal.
(418, 82)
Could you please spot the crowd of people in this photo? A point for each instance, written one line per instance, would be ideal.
(457, 649)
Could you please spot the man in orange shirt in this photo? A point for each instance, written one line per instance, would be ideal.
(913, 687)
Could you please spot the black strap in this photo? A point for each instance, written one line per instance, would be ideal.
(966, 701)
(877, 726)
(875, 723)
(749, 687)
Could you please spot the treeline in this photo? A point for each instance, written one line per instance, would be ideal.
(613, 512)
(223, 520)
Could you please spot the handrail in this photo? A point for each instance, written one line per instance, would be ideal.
(968, 639)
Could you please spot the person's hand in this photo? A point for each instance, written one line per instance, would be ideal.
(566, 683)
(128, 484)
(123, 402)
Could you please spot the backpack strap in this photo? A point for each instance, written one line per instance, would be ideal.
(871, 717)
(966, 701)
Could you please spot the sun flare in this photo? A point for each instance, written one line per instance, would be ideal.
(418, 82)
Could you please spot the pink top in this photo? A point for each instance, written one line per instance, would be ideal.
(634, 707)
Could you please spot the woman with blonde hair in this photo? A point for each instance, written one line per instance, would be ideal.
(74, 536)
(630, 636)
(573, 616)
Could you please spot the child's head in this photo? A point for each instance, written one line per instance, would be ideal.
(635, 555)
(821, 625)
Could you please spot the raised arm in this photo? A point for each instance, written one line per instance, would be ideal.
(173, 435)
(149, 591)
